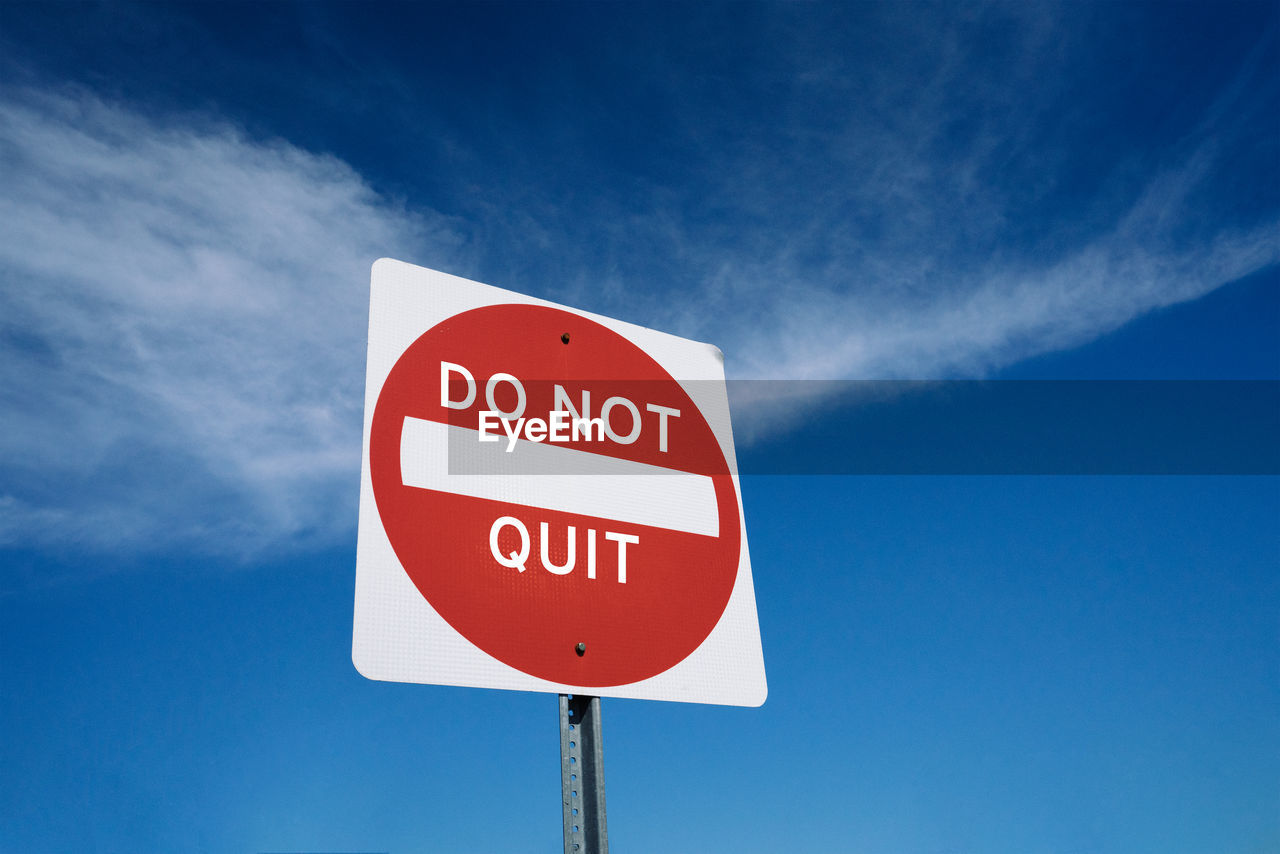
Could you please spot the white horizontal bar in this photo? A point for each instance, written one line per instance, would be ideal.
(553, 477)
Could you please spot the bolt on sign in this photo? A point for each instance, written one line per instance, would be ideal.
(548, 502)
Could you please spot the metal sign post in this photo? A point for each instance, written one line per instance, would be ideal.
(582, 775)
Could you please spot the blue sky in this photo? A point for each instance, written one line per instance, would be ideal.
(192, 197)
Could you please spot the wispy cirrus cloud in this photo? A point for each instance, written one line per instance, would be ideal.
(182, 306)
(975, 200)
(182, 328)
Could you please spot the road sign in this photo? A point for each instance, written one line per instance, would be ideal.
(548, 502)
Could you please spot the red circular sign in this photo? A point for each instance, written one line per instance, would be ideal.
(562, 626)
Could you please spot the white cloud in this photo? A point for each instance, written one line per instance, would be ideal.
(976, 323)
(183, 321)
(183, 308)
(936, 224)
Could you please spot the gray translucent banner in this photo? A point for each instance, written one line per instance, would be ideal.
(1008, 427)
(997, 427)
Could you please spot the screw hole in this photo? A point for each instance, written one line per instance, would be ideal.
(564, 339)
(580, 649)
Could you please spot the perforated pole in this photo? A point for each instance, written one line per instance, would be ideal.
(582, 775)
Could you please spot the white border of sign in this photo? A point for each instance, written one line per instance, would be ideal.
(399, 637)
